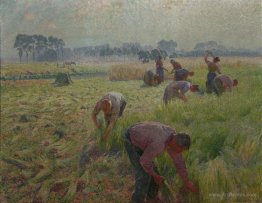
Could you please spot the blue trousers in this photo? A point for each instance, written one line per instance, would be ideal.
(160, 72)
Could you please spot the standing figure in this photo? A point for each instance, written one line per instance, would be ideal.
(180, 73)
(178, 89)
(160, 69)
(213, 68)
(113, 105)
(143, 142)
(223, 83)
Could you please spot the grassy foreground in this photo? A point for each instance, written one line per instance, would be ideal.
(50, 150)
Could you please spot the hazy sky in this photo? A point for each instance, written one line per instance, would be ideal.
(233, 23)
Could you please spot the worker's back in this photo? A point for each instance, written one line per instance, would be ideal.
(181, 74)
(174, 88)
(222, 83)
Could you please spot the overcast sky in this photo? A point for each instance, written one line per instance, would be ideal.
(232, 23)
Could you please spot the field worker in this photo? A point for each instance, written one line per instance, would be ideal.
(223, 83)
(113, 105)
(178, 89)
(180, 73)
(143, 142)
(150, 78)
(160, 69)
(213, 68)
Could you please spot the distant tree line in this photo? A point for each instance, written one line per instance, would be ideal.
(41, 48)
(52, 49)
(219, 50)
(127, 49)
(144, 53)
(167, 49)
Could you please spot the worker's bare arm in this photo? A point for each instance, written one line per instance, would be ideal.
(109, 128)
(96, 110)
(206, 58)
(218, 69)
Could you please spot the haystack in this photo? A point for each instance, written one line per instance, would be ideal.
(62, 79)
(150, 78)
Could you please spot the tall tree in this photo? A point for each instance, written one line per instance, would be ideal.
(155, 53)
(168, 46)
(41, 44)
(19, 40)
(61, 45)
(52, 44)
(163, 54)
(130, 48)
(20, 53)
(28, 45)
(117, 51)
(56, 44)
(34, 45)
(143, 56)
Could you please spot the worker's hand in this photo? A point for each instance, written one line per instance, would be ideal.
(183, 97)
(191, 73)
(159, 180)
(190, 186)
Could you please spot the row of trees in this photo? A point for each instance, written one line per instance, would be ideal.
(145, 56)
(52, 49)
(217, 49)
(165, 48)
(127, 49)
(39, 46)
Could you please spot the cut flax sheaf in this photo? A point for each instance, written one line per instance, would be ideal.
(62, 79)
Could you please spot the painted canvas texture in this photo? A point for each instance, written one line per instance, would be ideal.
(130, 101)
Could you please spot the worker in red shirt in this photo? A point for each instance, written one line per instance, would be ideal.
(223, 83)
(143, 142)
(180, 73)
(160, 69)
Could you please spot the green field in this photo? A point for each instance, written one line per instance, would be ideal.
(46, 133)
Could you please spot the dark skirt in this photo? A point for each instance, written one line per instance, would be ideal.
(160, 73)
(209, 83)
